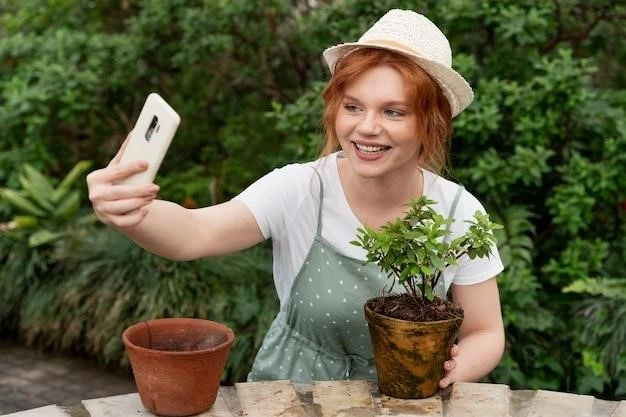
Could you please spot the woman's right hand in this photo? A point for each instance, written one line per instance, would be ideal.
(115, 204)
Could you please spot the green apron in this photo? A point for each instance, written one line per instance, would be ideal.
(322, 334)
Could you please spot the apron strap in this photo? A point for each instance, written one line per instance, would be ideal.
(453, 207)
(440, 289)
(319, 209)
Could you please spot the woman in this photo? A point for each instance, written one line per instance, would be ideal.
(388, 108)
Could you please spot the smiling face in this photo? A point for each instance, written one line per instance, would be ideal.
(376, 126)
(408, 96)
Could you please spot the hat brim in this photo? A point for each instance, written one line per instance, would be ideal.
(454, 87)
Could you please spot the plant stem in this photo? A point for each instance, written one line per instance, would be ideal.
(436, 279)
(411, 291)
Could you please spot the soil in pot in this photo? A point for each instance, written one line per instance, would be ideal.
(405, 307)
(409, 354)
(178, 363)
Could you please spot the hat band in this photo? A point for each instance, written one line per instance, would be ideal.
(388, 44)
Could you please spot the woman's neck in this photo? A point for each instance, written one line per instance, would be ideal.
(377, 200)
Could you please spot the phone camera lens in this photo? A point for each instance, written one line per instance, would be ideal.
(151, 128)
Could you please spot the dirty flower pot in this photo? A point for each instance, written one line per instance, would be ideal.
(178, 363)
(409, 356)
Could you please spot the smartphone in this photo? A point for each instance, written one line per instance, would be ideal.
(150, 138)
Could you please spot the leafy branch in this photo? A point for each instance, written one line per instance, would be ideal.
(414, 250)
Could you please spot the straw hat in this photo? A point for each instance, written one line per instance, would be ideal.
(412, 34)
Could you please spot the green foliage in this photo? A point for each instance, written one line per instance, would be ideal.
(414, 250)
(614, 288)
(303, 130)
(607, 360)
(103, 283)
(85, 76)
(45, 210)
(23, 267)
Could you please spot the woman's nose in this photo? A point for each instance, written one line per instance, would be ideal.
(369, 124)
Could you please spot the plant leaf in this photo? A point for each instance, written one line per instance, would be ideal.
(42, 237)
(18, 200)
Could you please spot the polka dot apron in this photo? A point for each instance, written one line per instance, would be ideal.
(322, 334)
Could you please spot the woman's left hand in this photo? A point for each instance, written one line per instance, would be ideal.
(449, 367)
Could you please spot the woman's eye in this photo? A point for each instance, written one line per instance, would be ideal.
(351, 108)
(394, 113)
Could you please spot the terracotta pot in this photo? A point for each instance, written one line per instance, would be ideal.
(409, 355)
(178, 363)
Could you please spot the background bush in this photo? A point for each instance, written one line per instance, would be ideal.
(543, 146)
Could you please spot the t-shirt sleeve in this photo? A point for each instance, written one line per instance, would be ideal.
(473, 271)
(275, 196)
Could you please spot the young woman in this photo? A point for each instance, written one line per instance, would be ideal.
(388, 116)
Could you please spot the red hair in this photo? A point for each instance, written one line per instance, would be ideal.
(426, 99)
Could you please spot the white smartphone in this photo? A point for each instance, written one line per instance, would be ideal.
(151, 136)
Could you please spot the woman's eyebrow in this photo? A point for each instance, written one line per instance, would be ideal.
(386, 103)
(350, 98)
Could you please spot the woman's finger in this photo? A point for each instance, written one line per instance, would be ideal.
(118, 156)
(104, 193)
(119, 207)
(454, 350)
(118, 172)
(128, 219)
(115, 173)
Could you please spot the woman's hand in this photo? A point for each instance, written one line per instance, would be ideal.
(449, 367)
(120, 205)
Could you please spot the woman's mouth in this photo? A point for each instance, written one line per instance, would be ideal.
(371, 149)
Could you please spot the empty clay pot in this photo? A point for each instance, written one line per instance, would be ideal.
(178, 363)
(409, 355)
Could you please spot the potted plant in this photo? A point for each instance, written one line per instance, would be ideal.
(412, 332)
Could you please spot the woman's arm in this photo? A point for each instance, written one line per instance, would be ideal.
(165, 228)
(481, 337)
(177, 233)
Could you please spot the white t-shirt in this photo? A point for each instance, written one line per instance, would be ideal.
(285, 204)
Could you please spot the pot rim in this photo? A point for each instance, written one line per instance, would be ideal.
(435, 322)
(227, 331)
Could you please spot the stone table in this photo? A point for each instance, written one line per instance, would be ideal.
(358, 399)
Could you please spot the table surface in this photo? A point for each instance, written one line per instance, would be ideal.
(358, 399)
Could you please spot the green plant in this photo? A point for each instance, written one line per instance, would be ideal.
(606, 356)
(44, 209)
(414, 250)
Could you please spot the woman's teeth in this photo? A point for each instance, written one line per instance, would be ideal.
(371, 149)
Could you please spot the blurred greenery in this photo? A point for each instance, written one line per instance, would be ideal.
(543, 146)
